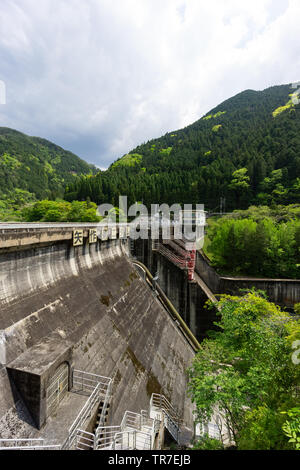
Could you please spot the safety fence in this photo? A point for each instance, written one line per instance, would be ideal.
(26, 444)
(100, 390)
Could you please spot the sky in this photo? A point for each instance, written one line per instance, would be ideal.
(99, 77)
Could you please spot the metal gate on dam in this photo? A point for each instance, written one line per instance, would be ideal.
(91, 355)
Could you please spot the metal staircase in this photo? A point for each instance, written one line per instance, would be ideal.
(98, 389)
(141, 431)
(136, 431)
(162, 409)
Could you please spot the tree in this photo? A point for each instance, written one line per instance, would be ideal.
(245, 371)
(240, 184)
(291, 427)
(61, 211)
(262, 246)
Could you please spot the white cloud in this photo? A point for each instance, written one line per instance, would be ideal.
(99, 76)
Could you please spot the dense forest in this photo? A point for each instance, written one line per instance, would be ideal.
(264, 241)
(246, 150)
(32, 168)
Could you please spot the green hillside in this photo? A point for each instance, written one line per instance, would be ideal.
(32, 168)
(247, 150)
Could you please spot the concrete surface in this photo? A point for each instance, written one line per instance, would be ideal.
(91, 299)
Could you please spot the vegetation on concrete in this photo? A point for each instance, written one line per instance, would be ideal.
(245, 370)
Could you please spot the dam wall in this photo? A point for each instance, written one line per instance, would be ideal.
(189, 298)
(284, 292)
(88, 308)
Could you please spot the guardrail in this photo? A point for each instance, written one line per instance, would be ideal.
(104, 437)
(26, 444)
(176, 259)
(86, 382)
(131, 420)
(84, 440)
(100, 388)
(130, 440)
(136, 431)
(161, 402)
(131, 434)
(171, 417)
(171, 426)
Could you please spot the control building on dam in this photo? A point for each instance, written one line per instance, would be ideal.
(92, 355)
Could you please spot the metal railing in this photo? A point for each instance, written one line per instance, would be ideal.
(178, 248)
(176, 259)
(137, 431)
(172, 426)
(84, 440)
(104, 437)
(161, 402)
(131, 420)
(86, 382)
(171, 417)
(26, 444)
(99, 388)
(105, 404)
(130, 440)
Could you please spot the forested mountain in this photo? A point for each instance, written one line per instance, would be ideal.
(246, 150)
(34, 168)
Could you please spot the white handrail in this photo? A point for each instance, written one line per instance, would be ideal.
(138, 431)
(161, 402)
(104, 436)
(26, 444)
(171, 418)
(101, 389)
(84, 440)
(45, 447)
(131, 419)
(134, 440)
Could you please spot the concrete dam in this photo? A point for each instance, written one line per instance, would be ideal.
(84, 339)
(168, 258)
(94, 348)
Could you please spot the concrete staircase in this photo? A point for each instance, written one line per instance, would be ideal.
(102, 413)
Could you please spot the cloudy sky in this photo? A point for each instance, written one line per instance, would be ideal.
(99, 77)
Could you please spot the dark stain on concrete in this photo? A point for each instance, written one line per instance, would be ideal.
(85, 307)
(117, 378)
(139, 368)
(133, 276)
(104, 299)
(153, 386)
